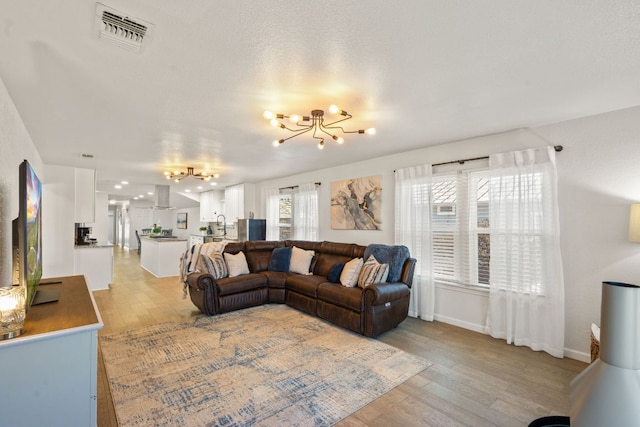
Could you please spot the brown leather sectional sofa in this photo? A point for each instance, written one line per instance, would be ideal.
(369, 311)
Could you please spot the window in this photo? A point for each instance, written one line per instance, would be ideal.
(460, 227)
(285, 215)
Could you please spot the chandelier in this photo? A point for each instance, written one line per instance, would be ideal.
(178, 176)
(314, 122)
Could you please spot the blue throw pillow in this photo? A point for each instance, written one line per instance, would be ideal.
(280, 259)
(394, 255)
(334, 272)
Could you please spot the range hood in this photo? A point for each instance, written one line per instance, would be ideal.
(162, 198)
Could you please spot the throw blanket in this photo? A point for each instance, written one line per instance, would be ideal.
(395, 256)
(189, 260)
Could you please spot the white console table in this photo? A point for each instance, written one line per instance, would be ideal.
(49, 373)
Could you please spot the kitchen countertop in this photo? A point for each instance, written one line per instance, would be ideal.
(94, 245)
(163, 239)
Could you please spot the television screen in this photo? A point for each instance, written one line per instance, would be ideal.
(30, 230)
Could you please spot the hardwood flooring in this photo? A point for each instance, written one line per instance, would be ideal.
(475, 380)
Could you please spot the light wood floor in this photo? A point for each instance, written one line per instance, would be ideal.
(475, 380)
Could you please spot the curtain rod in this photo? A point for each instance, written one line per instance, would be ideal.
(558, 149)
(293, 187)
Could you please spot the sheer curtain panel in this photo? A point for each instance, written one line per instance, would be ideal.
(272, 198)
(413, 229)
(526, 299)
(305, 223)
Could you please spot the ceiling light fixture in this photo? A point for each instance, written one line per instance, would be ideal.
(178, 176)
(315, 123)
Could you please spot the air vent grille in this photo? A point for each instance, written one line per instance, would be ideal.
(118, 29)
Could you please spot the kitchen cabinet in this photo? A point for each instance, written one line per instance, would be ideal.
(239, 201)
(195, 240)
(210, 205)
(85, 195)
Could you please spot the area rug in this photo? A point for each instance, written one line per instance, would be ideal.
(270, 365)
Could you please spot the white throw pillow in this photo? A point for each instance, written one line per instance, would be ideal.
(300, 260)
(236, 264)
(351, 272)
(372, 272)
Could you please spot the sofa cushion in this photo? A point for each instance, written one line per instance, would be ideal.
(372, 272)
(280, 259)
(215, 265)
(236, 264)
(305, 285)
(244, 283)
(395, 256)
(300, 260)
(335, 293)
(351, 272)
(334, 273)
(275, 279)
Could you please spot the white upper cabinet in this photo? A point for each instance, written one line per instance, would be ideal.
(85, 195)
(210, 205)
(239, 201)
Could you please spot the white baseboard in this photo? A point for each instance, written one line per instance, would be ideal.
(577, 355)
(457, 322)
(569, 353)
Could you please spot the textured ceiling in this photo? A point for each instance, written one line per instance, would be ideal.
(421, 72)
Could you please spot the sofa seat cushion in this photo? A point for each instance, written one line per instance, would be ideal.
(275, 279)
(342, 296)
(304, 284)
(243, 283)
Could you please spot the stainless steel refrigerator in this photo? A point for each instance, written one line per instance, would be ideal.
(252, 229)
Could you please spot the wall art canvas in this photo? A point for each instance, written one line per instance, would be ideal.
(356, 204)
(182, 220)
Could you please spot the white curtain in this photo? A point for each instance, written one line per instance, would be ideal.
(413, 229)
(526, 300)
(272, 198)
(305, 222)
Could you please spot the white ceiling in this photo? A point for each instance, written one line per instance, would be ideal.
(422, 72)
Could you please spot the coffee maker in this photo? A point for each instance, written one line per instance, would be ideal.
(82, 235)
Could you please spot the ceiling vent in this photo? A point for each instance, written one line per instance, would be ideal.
(116, 28)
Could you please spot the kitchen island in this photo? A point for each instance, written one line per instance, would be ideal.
(161, 256)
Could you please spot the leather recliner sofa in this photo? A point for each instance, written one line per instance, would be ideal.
(369, 311)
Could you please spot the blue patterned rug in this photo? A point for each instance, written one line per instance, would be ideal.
(269, 365)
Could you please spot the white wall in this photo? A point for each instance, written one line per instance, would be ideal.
(15, 146)
(193, 222)
(58, 196)
(599, 176)
(100, 228)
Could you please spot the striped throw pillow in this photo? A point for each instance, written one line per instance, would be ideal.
(372, 272)
(214, 265)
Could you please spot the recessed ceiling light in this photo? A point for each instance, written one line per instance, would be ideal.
(118, 186)
(112, 202)
(187, 191)
(150, 193)
(135, 198)
(199, 187)
(124, 182)
(214, 183)
(141, 196)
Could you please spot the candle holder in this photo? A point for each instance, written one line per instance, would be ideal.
(12, 311)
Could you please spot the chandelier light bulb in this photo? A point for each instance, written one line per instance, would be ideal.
(176, 180)
(295, 118)
(176, 172)
(275, 123)
(276, 143)
(371, 131)
(268, 115)
(334, 109)
(216, 175)
(320, 145)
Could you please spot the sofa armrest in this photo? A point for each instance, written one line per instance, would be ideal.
(202, 292)
(381, 293)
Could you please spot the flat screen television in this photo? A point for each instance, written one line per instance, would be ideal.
(27, 236)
